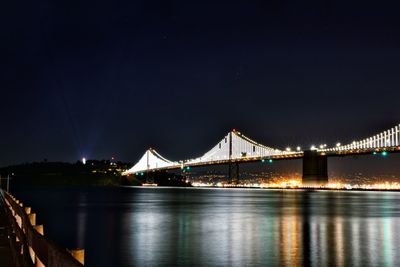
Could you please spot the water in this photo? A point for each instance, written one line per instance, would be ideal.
(129, 226)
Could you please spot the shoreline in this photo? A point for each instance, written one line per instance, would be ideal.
(264, 188)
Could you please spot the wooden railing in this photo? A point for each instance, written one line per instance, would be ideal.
(29, 245)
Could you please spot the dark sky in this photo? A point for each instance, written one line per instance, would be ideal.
(101, 79)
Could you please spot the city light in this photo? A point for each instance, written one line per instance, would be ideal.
(296, 184)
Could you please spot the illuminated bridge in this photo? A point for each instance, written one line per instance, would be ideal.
(236, 148)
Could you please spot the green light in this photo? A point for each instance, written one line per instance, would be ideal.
(270, 161)
(262, 161)
(384, 153)
(188, 168)
(374, 153)
(142, 174)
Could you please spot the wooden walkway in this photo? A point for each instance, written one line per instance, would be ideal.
(27, 245)
(5, 251)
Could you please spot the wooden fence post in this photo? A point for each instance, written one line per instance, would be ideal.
(32, 220)
(78, 254)
(40, 230)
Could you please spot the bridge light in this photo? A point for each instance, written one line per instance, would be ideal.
(288, 149)
(321, 146)
(338, 144)
(313, 147)
(298, 148)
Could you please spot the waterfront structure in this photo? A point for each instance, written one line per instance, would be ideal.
(28, 246)
(236, 148)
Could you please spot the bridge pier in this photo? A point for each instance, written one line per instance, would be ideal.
(233, 173)
(315, 168)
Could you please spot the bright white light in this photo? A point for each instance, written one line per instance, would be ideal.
(84, 161)
(298, 148)
(338, 144)
(313, 147)
(151, 160)
(288, 149)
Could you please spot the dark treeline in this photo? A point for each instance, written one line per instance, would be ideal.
(100, 172)
(94, 172)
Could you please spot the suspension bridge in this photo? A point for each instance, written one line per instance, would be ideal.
(236, 148)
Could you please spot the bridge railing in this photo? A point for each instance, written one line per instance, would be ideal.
(386, 139)
(30, 246)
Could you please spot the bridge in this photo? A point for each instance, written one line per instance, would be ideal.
(236, 148)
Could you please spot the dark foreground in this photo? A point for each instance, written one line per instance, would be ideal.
(127, 226)
(5, 251)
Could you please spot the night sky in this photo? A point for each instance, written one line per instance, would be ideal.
(101, 79)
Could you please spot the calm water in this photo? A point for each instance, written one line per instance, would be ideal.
(221, 227)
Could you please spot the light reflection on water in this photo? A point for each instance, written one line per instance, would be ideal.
(222, 227)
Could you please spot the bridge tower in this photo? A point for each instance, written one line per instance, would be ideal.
(315, 168)
(233, 168)
(233, 173)
(149, 176)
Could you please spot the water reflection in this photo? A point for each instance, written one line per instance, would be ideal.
(227, 227)
(81, 222)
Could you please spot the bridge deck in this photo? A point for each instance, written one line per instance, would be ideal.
(5, 251)
(237, 148)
